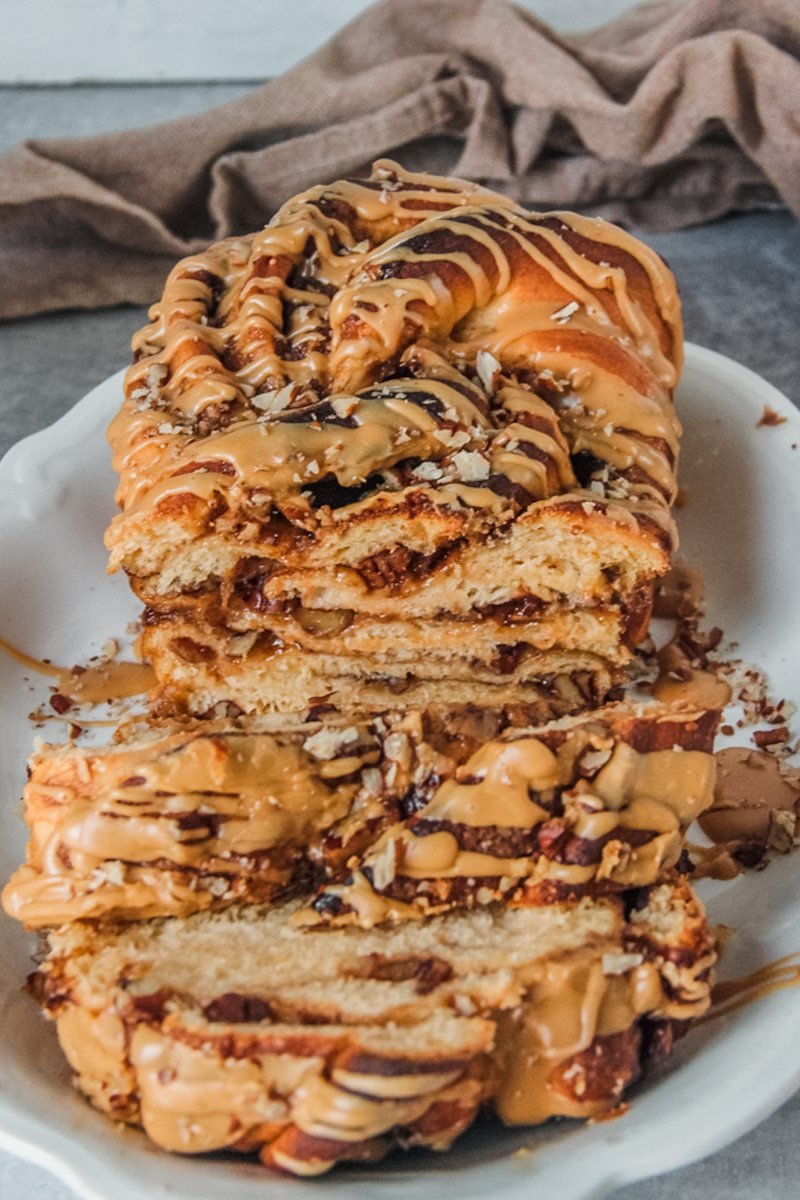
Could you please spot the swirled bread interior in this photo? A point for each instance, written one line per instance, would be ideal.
(242, 1031)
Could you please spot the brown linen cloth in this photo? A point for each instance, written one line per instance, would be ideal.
(675, 113)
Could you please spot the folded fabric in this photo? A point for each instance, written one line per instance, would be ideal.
(673, 114)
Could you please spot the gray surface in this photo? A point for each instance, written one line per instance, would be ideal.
(741, 295)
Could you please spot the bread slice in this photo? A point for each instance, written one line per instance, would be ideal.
(410, 399)
(181, 818)
(203, 670)
(242, 1031)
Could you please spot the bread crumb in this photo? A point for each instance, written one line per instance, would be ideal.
(770, 418)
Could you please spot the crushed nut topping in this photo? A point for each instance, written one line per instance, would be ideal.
(326, 743)
(471, 465)
(620, 964)
(489, 370)
(564, 314)
(275, 401)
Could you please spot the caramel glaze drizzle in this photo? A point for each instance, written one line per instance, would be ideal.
(127, 830)
(107, 680)
(685, 674)
(521, 815)
(378, 322)
(730, 995)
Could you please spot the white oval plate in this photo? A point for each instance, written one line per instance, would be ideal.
(741, 522)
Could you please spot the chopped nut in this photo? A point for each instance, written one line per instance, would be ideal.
(594, 759)
(764, 738)
(769, 418)
(372, 781)
(156, 375)
(451, 438)
(782, 830)
(384, 865)
(471, 465)
(616, 856)
(570, 400)
(275, 401)
(344, 406)
(392, 772)
(216, 884)
(398, 747)
(112, 872)
(564, 314)
(620, 964)
(488, 369)
(326, 743)
(428, 471)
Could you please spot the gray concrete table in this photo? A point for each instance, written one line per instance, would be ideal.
(741, 296)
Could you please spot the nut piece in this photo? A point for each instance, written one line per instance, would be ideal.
(488, 369)
(620, 964)
(326, 743)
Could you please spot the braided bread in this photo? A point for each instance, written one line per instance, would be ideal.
(409, 400)
(395, 479)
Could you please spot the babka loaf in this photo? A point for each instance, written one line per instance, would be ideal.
(408, 433)
(395, 480)
(385, 817)
(238, 1030)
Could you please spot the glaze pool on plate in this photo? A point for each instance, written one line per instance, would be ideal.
(741, 521)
